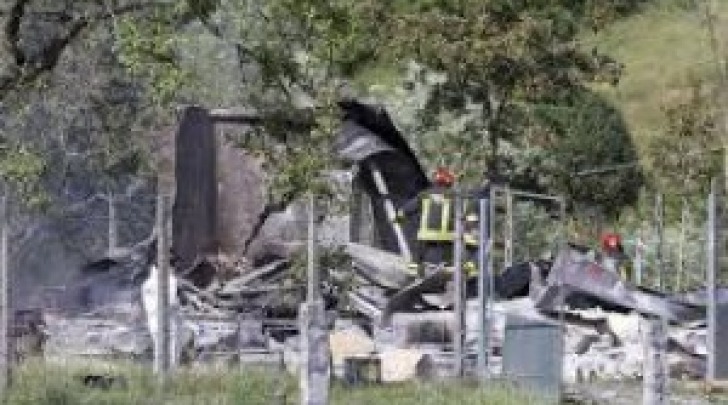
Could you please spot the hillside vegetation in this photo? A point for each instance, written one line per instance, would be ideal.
(665, 50)
(503, 89)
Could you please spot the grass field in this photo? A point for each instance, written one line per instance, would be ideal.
(663, 49)
(39, 384)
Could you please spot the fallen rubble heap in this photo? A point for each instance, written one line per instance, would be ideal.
(403, 322)
(380, 313)
(603, 336)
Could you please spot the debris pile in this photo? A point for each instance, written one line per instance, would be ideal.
(604, 337)
(213, 300)
(381, 312)
(234, 288)
(403, 321)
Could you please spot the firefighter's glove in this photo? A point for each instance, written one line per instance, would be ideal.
(470, 269)
(413, 269)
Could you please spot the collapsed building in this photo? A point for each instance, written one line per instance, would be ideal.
(234, 260)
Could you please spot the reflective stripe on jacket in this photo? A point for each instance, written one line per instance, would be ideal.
(436, 219)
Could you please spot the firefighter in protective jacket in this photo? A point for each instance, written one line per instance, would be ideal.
(613, 256)
(436, 232)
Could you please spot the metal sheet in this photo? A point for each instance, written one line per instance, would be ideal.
(587, 284)
(382, 268)
(368, 137)
(411, 294)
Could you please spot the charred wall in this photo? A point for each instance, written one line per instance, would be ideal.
(195, 207)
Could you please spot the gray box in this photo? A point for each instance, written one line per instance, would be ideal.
(721, 337)
(532, 355)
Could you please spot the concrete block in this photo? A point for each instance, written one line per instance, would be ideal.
(346, 344)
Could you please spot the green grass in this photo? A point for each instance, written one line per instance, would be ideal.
(43, 384)
(37, 383)
(662, 49)
(423, 393)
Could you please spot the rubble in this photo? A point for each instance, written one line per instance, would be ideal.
(399, 365)
(347, 343)
(226, 302)
(86, 337)
(603, 339)
(586, 284)
(384, 269)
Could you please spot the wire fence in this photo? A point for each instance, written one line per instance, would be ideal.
(88, 329)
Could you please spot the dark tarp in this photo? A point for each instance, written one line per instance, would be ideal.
(368, 136)
(515, 281)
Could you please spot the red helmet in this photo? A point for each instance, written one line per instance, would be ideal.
(611, 242)
(444, 177)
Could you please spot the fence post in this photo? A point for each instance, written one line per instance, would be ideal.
(508, 240)
(6, 314)
(639, 250)
(491, 249)
(458, 280)
(681, 247)
(314, 375)
(112, 238)
(483, 296)
(655, 365)
(161, 345)
(563, 245)
(659, 260)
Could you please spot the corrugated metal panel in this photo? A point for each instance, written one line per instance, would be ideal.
(532, 354)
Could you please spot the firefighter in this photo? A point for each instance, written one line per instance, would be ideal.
(613, 256)
(436, 232)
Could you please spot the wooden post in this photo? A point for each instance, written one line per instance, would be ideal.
(458, 280)
(314, 349)
(162, 346)
(6, 314)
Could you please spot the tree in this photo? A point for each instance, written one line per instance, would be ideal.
(687, 155)
(499, 58)
(582, 148)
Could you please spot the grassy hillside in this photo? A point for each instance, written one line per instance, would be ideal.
(662, 48)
